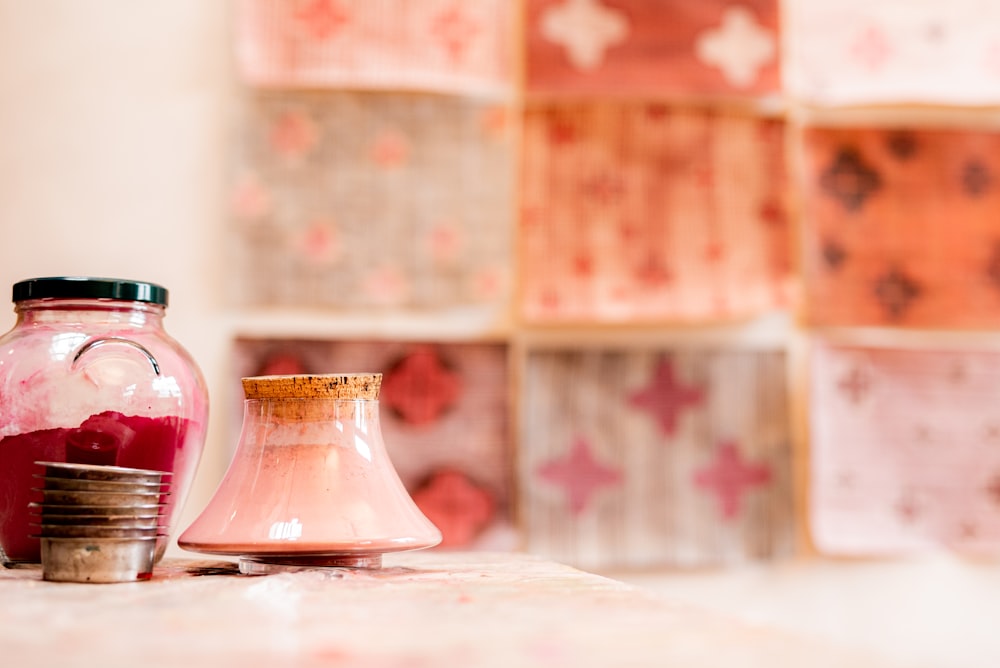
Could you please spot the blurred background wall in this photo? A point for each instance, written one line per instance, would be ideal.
(127, 129)
(115, 123)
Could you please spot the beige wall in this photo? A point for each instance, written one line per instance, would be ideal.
(114, 126)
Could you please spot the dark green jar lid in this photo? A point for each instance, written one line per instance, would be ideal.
(86, 287)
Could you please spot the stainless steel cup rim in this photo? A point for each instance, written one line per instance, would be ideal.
(98, 471)
(97, 520)
(84, 494)
(93, 509)
(98, 540)
(99, 533)
(83, 484)
(83, 521)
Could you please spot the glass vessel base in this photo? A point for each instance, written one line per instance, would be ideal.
(265, 565)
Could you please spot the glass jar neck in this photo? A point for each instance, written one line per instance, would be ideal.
(89, 311)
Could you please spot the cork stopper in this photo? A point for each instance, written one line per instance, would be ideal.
(318, 386)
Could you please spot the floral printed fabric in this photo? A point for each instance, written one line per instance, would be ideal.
(444, 418)
(635, 212)
(373, 200)
(893, 51)
(461, 46)
(901, 227)
(904, 449)
(655, 457)
(674, 48)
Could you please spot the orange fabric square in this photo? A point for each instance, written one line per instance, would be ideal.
(901, 227)
(643, 212)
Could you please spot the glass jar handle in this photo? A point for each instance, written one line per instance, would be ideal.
(106, 340)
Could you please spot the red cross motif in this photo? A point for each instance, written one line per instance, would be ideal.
(665, 397)
(420, 388)
(729, 477)
(871, 48)
(855, 385)
(322, 19)
(293, 135)
(456, 505)
(580, 474)
(993, 489)
(390, 149)
(454, 30)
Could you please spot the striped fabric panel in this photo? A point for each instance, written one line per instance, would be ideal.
(454, 46)
(641, 458)
(372, 200)
(905, 449)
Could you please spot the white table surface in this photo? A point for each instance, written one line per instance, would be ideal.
(424, 609)
(934, 611)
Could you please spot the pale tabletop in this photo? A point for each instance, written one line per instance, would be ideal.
(433, 609)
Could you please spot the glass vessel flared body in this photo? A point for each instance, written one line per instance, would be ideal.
(311, 482)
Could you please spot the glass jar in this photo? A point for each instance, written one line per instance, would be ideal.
(310, 483)
(89, 375)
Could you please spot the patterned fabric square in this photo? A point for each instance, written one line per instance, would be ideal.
(901, 227)
(462, 46)
(674, 48)
(893, 51)
(905, 449)
(641, 212)
(653, 457)
(373, 200)
(443, 409)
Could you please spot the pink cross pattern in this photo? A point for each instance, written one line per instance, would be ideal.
(871, 48)
(454, 30)
(665, 397)
(421, 388)
(855, 385)
(729, 476)
(580, 474)
(322, 18)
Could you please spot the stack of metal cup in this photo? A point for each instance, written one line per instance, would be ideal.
(98, 523)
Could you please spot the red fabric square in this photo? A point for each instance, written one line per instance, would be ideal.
(641, 48)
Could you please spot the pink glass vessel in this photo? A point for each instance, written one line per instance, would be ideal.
(311, 483)
(89, 375)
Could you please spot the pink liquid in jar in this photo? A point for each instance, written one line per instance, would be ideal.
(111, 438)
